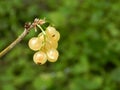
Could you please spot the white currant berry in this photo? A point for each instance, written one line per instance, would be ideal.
(52, 55)
(40, 57)
(52, 33)
(35, 43)
(50, 44)
(53, 44)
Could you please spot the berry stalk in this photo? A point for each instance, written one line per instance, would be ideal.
(41, 29)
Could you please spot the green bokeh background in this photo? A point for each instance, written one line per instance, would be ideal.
(89, 46)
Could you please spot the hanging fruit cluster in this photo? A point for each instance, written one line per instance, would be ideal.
(45, 45)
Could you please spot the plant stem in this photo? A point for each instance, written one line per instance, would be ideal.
(41, 29)
(13, 44)
(44, 33)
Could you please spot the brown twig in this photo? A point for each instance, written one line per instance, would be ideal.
(28, 27)
(13, 44)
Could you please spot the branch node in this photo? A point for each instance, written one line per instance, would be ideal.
(27, 25)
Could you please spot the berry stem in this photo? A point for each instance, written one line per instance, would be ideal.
(44, 33)
(28, 27)
(41, 29)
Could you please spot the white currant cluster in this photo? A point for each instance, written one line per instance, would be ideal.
(45, 44)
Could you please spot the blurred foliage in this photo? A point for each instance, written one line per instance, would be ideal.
(89, 46)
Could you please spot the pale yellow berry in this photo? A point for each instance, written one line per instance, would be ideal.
(52, 55)
(35, 43)
(40, 57)
(50, 44)
(52, 33)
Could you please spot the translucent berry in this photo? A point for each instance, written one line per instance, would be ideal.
(35, 43)
(52, 33)
(40, 57)
(50, 44)
(52, 55)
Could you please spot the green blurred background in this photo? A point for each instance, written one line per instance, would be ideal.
(89, 46)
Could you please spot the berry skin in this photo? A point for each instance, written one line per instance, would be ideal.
(40, 57)
(35, 43)
(50, 44)
(52, 33)
(52, 55)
